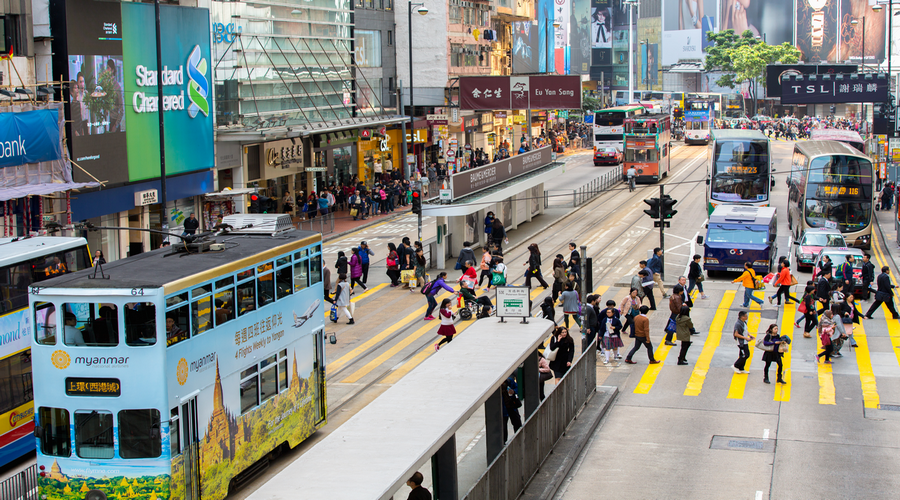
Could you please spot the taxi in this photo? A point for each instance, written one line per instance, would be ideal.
(812, 241)
(607, 156)
(838, 256)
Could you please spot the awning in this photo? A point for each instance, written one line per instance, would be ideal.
(686, 67)
(13, 193)
(231, 192)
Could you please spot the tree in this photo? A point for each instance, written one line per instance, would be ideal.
(590, 104)
(744, 58)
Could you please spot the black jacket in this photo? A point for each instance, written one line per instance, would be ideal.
(590, 319)
(565, 354)
(534, 261)
(823, 289)
(846, 310)
(341, 265)
(868, 272)
(191, 225)
(694, 271)
(885, 287)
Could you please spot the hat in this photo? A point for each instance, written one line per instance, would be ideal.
(362, 243)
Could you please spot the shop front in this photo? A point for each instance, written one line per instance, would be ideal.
(380, 152)
(334, 159)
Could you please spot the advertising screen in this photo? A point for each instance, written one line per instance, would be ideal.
(851, 37)
(772, 19)
(107, 50)
(601, 27)
(533, 41)
(685, 24)
(649, 64)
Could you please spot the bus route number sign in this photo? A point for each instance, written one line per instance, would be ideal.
(740, 169)
(80, 386)
(839, 191)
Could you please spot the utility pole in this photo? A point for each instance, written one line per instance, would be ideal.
(662, 234)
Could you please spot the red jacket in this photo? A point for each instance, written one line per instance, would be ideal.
(784, 277)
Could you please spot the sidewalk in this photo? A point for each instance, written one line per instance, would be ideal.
(344, 223)
(886, 233)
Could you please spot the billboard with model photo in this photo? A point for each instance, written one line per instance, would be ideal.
(817, 30)
(850, 36)
(107, 51)
(601, 27)
(769, 19)
(685, 24)
(579, 37)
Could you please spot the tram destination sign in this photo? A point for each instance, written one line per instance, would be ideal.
(80, 386)
(834, 89)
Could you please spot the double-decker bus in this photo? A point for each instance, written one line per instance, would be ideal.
(648, 147)
(699, 116)
(739, 168)
(848, 137)
(609, 125)
(25, 262)
(831, 186)
(172, 371)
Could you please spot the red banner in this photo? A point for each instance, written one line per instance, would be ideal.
(484, 92)
(520, 92)
(555, 92)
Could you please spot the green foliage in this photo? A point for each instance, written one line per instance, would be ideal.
(102, 105)
(744, 58)
(590, 104)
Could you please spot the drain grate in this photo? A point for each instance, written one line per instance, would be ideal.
(742, 444)
(889, 407)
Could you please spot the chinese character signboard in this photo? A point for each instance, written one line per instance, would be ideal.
(486, 92)
(520, 92)
(840, 89)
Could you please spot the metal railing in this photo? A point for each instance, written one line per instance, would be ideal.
(320, 224)
(584, 193)
(22, 486)
(507, 476)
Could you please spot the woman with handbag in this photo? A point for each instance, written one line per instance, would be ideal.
(826, 331)
(564, 346)
(683, 327)
(695, 276)
(784, 280)
(629, 308)
(393, 265)
(571, 305)
(751, 282)
(771, 346)
(447, 329)
(850, 316)
(807, 307)
(534, 267)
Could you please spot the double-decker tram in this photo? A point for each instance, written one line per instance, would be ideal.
(739, 168)
(167, 374)
(609, 125)
(848, 137)
(23, 263)
(699, 116)
(648, 147)
(831, 186)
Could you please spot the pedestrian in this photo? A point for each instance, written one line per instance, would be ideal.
(884, 295)
(544, 374)
(433, 288)
(498, 274)
(676, 300)
(611, 328)
(326, 282)
(467, 282)
(591, 321)
(571, 305)
(750, 282)
(465, 254)
(631, 175)
(574, 261)
(393, 265)
(534, 267)
(548, 310)
(323, 203)
(629, 309)
(784, 281)
(342, 298)
(559, 277)
(498, 233)
(808, 308)
(287, 203)
(773, 355)
(845, 274)
(364, 253)
(655, 264)
(636, 284)
(446, 329)
(850, 316)
(647, 286)
(341, 265)
(823, 291)
(826, 331)
(642, 336)
(356, 270)
(191, 225)
(405, 255)
(695, 276)
(511, 405)
(488, 226)
(683, 328)
(868, 274)
(421, 264)
(485, 266)
(565, 352)
(418, 491)
(99, 259)
(741, 337)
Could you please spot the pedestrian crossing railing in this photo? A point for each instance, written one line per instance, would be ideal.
(22, 486)
(320, 224)
(507, 476)
(584, 193)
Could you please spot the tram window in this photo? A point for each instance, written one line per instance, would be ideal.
(282, 261)
(302, 254)
(264, 268)
(177, 325)
(265, 289)
(54, 435)
(201, 315)
(94, 434)
(140, 323)
(283, 278)
(90, 324)
(45, 323)
(139, 434)
(301, 275)
(249, 389)
(14, 283)
(225, 283)
(16, 386)
(245, 274)
(315, 269)
(224, 302)
(176, 299)
(174, 432)
(268, 380)
(246, 293)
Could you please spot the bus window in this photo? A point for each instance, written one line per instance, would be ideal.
(139, 434)
(246, 293)
(140, 323)
(54, 435)
(224, 302)
(89, 324)
(16, 387)
(315, 269)
(45, 323)
(14, 283)
(177, 321)
(94, 434)
(249, 389)
(301, 275)
(201, 310)
(283, 281)
(265, 285)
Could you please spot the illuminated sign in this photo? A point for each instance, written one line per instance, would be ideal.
(833, 191)
(108, 387)
(740, 169)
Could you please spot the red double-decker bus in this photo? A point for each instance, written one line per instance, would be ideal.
(648, 147)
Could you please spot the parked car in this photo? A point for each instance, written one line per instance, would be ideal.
(838, 256)
(814, 239)
(607, 156)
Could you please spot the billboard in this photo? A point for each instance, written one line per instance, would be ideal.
(520, 92)
(685, 25)
(533, 45)
(814, 89)
(649, 62)
(850, 46)
(113, 125)
(601, 27)
(562, 11)
(579, 37)
(771, 19)
(817, 30)
(775, 73)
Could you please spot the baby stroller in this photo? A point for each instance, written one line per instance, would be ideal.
(466, 302)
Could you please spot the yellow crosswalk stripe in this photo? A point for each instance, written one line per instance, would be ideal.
(893, 326)
(826, 378)
(783, 391)
(713, 338)
(652, 371)
(864, 364)
(739, 380)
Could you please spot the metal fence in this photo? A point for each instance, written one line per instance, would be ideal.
(584, 193)
(510, 472)
(22, 486)
(320, 224)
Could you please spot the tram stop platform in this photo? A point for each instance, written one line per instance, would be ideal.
(374, 453)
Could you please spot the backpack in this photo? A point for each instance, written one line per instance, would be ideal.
(426, 288)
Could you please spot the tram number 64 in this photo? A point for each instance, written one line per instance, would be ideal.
(137, 291)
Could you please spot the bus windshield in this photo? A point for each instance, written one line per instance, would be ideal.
(740, 171)
(736, 234)
(615, 119)
(839, 189)
(641, 154)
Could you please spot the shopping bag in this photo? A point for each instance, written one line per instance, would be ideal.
(353, 212)
(352, 308)
(407, 275)
(670, 326)
(333, 314)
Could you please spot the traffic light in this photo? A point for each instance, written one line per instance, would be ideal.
(254, 204)
(266, 205)
(416, 202)
(654, 208)
(832, 109)
(666, 207)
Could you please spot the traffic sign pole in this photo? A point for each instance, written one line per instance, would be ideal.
(662, 235)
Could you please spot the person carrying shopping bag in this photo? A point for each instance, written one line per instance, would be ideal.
(751, 282)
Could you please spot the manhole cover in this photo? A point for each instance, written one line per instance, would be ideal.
(742, 444)
(889, 407)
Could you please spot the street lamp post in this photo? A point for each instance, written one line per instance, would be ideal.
(422, 10)
(631, 4)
